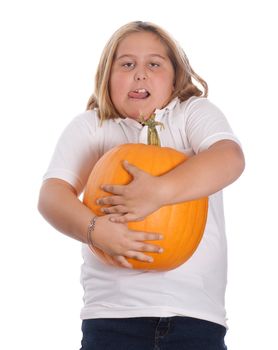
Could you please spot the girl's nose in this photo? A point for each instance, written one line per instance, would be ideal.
(140, 75)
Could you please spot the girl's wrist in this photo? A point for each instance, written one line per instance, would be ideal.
(163, 191)
(90, 232)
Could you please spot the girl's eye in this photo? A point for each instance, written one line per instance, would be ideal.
(128, 65)
(154, 65)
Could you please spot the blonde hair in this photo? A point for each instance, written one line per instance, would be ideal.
(184, 87)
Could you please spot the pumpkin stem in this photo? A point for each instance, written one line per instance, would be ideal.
(151, 123)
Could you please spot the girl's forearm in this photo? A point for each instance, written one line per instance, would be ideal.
(203, 174)
(60, 206)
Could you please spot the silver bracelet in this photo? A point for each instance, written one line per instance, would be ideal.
(90, 230)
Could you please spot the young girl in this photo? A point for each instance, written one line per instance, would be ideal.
(142, 72)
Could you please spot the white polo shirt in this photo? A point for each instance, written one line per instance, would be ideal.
(196, 288)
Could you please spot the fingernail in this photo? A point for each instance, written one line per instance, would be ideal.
(150, 259)
(160, 237)
(160, 250)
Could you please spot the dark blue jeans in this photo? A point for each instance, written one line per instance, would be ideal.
(152, 333)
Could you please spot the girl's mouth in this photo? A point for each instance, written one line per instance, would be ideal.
(139, 94)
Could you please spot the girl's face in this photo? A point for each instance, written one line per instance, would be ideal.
(142, 76)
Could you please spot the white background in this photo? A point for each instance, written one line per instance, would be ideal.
(49, 53)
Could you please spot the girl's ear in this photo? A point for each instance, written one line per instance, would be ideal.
(174, 84)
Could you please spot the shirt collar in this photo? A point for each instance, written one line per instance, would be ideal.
(171, 105)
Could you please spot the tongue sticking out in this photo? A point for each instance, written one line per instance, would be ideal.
(140, 94)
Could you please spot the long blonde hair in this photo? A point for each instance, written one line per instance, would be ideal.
(184, 87)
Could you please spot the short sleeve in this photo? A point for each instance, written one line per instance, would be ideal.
(206, 124)
(76, 151)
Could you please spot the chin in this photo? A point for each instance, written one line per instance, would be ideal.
(137, 113)
(145, 115)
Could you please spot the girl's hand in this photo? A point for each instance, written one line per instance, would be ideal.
(120, 243)
(135, 200)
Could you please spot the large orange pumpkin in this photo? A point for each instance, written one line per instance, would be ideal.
(182, 225)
